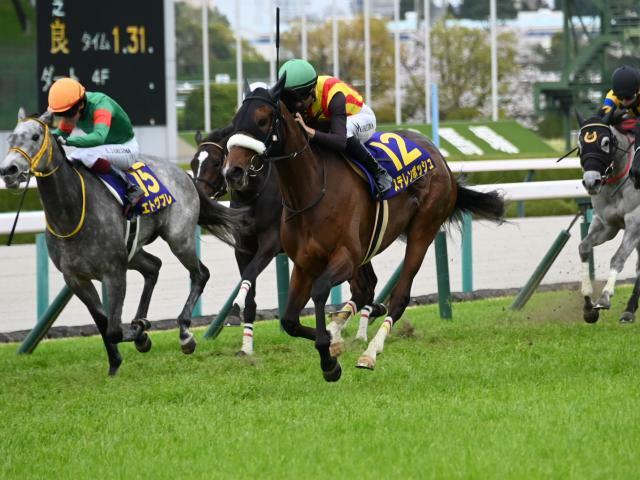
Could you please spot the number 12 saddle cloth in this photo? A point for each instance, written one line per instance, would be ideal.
(405, 161)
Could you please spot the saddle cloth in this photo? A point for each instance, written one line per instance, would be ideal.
(156, 195)
(405, 161)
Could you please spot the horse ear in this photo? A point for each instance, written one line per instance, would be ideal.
(46, 118)
(580, 118)
(22, 114)
(607, 118)
(277, 89)
(246, 88)
(198, 137)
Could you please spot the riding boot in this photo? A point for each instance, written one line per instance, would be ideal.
(381, 177)
(134, 192)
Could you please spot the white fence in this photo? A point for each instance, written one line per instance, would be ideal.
(33, 222)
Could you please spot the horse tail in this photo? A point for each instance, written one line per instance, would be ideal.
(488, 205)
(219, 220)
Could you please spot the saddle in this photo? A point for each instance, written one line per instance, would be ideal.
(156, 195)
(406, 161)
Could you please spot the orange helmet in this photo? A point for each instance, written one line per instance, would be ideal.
(64, 94)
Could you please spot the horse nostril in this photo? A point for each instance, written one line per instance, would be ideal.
(235, 173)
(10, 170)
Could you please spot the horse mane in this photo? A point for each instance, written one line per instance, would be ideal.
(219, 134)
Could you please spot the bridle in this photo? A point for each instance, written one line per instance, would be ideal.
(47, 148)
(204, 180)
(272, 137)
(592, 137)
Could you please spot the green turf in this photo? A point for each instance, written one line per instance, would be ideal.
(492, 394)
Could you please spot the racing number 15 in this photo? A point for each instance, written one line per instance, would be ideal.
(146, 181)
(407, 157)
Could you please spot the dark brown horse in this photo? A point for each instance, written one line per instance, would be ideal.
(329, 215)
(259, 243)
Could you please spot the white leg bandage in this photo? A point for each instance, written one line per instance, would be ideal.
(245, 286)
(364, 323)
(247, 338)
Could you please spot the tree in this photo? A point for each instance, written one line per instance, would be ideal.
(479, 10)
(351, 34)
(222, 50)
(461, 60)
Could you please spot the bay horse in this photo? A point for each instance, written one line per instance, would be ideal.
(329, 215)
(86, 232)
(605, 156)
(258, 244)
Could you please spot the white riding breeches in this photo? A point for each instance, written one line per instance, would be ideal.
(121, 156)
(362, 124)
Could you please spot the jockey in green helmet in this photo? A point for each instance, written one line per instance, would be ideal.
(325, 100)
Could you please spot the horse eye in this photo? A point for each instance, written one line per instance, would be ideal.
(605, 144)
(263, 122)
(35, 137)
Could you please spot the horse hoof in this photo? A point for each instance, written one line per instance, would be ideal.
(590, 316)
(365, 361)
(188, 346)
(334, 374)
(627, 317)
(143, 345)
(242, 353)
(337, 348)
(113, 367)
(361, 338)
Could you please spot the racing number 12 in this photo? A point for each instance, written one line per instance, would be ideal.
(407, 157)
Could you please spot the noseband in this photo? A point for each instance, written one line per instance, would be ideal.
(592, 137)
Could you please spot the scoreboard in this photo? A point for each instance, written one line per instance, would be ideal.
(111, 46)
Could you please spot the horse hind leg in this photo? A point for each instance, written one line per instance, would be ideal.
(417, 244)
(88, 295)
(629, 314)
(185, 251)
(149, 266)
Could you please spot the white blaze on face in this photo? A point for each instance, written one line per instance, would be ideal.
(202, 156)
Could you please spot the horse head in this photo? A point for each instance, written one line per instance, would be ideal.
(601, 149)
(30, 149)
(258, 127)
(207, 162)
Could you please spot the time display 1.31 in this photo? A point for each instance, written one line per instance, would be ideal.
(115, 47)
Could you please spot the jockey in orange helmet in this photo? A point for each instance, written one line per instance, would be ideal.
(109, 145)
(326, 99)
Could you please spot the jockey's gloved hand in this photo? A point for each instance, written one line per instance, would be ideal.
(61, 140)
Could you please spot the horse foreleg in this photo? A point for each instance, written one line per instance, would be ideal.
(339, 269)
(149, 266)
(629, 242)
(88, 295)
(338, 323)
(299, 293)
(598, 234)
(268, 247)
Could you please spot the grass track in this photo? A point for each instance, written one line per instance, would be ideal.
(493, 394)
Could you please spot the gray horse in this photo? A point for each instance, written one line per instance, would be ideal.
(605, 156)
(86, 232)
